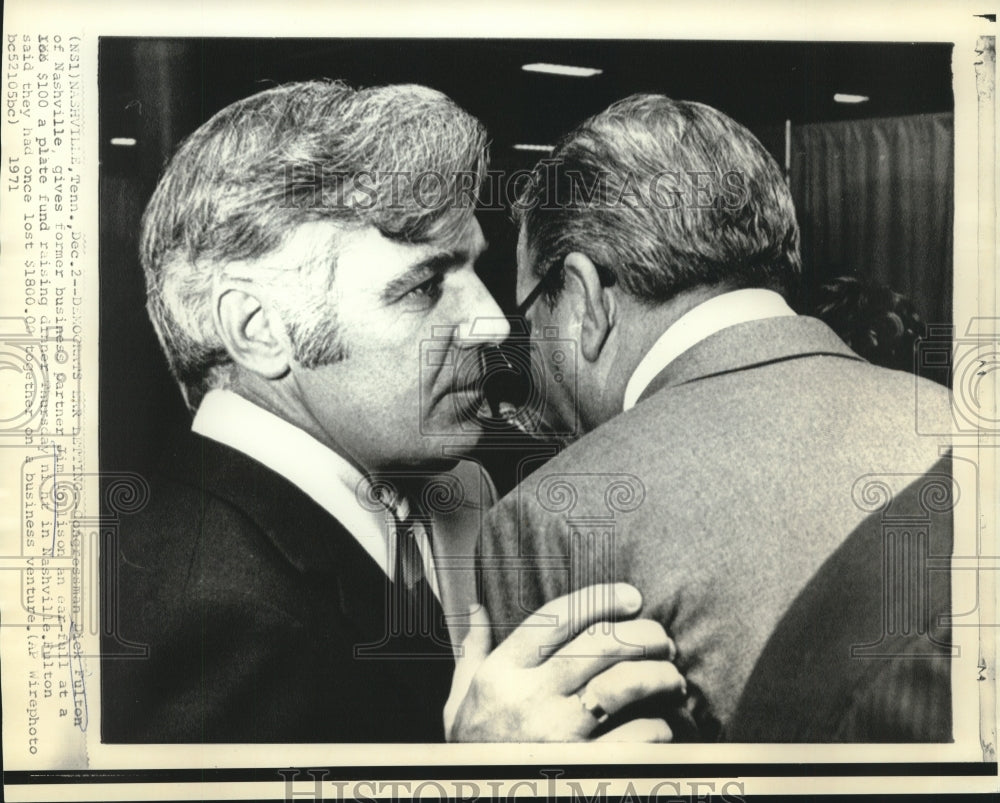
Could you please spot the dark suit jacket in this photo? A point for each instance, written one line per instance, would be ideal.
(252, 601)
(720, 494)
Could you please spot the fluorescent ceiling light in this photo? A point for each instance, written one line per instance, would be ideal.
(124, 142)
(842, 97)
(540, 148)
(562, 69)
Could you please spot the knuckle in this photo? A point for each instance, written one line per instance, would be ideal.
(671, 648)
(664, 672)
(552, 673)
(625, 678)
(668, 678)
(651, 678)
(674, 675)
(619, 685)
(652, 631)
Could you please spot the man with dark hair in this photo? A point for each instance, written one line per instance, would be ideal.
(724, 439)
(283, 583)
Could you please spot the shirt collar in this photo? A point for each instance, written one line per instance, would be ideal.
(698, 323)
(318, 471)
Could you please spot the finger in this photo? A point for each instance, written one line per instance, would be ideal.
(638, 638)
(594, 651)
(629, 682)
(560, 619)
(475, 648)
(639, 730)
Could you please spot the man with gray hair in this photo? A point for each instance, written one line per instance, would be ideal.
(283, 583)
(725, 440)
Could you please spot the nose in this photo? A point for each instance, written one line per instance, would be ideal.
(484, 323)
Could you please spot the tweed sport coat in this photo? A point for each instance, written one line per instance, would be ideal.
(720, 495)
(251, 599)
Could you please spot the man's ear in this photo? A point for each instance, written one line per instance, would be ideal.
(600, 313)
(251, 334)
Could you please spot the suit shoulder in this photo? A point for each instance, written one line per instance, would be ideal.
(189, 543)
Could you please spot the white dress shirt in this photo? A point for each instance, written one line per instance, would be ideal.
(319, 472)
(698, 323)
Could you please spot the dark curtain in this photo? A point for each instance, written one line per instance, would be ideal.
(875, 199)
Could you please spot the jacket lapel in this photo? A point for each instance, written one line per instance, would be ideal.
(307, 537)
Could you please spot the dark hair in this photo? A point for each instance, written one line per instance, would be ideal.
(879, 324)
(241, 183)
(670, 195)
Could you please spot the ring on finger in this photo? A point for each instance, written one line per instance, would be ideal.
(592, 706)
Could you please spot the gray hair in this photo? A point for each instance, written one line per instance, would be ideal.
(667, 195)
(319, 150)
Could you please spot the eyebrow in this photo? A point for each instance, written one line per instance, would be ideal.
(439, 262)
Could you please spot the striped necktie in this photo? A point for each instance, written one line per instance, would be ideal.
(417, 611)
(409, 565)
